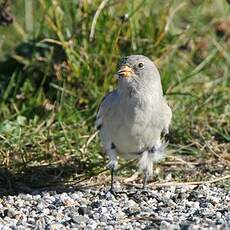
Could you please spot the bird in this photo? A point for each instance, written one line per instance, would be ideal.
(134, 118)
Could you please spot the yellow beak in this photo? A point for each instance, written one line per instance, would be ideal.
(125, 71)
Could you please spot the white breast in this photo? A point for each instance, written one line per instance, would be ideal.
(131, 125)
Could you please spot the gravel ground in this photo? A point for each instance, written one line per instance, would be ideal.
(203, 207)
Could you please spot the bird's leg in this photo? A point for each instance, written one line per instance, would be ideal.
(146, 177)
(145, 165)
(112, 165)
(112, 189)
(147, 171)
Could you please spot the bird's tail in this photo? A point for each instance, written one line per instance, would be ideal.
(150, 156)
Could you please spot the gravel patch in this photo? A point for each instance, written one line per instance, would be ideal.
(202, 207)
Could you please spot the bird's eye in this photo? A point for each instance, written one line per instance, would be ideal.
(140, 65)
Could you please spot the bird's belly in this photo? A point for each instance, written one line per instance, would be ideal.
(135, 129)
(134, 139)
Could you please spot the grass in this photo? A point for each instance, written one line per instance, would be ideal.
(53, 76)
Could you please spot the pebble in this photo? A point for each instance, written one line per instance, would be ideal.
(79, 219)
(205, 207)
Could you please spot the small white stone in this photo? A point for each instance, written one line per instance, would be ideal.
(168, 194)
(215, 200)
(109, 227)
(46, 211)
(131, 203)
(165, 225)
(92, 224)
(104, 210)
(196, 205)
(218, 215)
(168, 177)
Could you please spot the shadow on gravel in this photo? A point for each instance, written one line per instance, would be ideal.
(57, 177)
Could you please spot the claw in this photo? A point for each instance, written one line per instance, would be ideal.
(113, 191)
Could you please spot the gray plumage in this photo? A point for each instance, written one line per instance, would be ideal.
(132, 117)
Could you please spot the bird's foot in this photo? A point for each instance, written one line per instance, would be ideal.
(144, 187)
(113, 191)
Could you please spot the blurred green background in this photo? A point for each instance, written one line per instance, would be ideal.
(57, 60)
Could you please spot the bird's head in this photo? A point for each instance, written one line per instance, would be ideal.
(138, 72)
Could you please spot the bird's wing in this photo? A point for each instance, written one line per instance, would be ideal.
(104, 107)
(166, 116)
